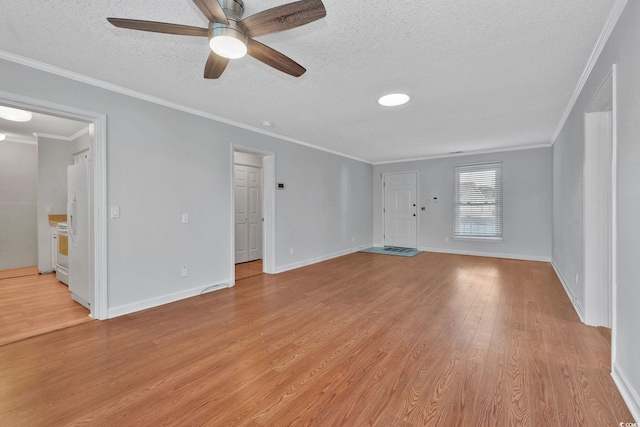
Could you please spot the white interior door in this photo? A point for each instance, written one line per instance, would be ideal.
(242, 217)
(254, 210)
(400, 220)
(248, 213)
(598, 218)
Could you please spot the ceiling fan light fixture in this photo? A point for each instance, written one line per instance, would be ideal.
(14, 114)
(228, 42)
(394, 99)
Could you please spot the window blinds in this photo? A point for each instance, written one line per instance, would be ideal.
(478, 201)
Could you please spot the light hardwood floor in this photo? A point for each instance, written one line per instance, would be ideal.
(363, 339)
(33, 304)
(248, 269)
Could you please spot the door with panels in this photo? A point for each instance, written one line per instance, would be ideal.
(248, 213)
(400, 220)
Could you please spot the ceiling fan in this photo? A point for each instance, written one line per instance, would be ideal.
(231, 37)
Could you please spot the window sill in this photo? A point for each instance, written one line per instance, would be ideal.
(479, 238)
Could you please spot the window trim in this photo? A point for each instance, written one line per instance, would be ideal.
(492, 165)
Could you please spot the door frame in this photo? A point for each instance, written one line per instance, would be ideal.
(98, 122)
(268, 208)
(248, 168)
(609, 83)
(383, 176)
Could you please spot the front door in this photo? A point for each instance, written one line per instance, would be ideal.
(400, 220)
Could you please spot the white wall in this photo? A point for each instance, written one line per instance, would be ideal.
(53, 158)
(526, 198)
(163, 162)
(568, 157)
(18, 178)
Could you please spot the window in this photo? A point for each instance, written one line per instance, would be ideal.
(478, 201)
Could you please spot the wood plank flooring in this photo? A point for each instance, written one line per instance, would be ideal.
(32, 304)
(248, 269)
(364, 339)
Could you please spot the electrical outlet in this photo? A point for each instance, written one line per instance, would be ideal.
(291, 251)
(185, 218)
(48, 210)
(353, 238)
(115, 212)
(185, 271)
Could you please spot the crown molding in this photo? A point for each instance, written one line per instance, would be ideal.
(41, 66)
(20, 140)
(62, 137)
(467, 153)
(614, 16)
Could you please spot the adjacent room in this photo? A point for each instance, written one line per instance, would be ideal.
(320, 212)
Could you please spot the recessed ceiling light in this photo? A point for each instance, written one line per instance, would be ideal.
(14, 114)
(267, 124)
(394, 99)
(2, 136)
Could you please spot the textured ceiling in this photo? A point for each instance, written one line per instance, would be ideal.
(482, 74)
(42, 124)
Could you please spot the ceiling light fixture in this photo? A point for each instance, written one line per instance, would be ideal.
(227, 41)
(394, 99)
(2, 136)
(14, 114)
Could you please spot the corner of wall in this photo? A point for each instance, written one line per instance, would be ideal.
(628, 393)
(574, 301)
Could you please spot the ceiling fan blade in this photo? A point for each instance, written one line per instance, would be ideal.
(215, 66)
(159, 27)
(274, 58)
(212, 10)
(285, 17)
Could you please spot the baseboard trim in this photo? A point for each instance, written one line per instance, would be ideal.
(629, 395)
(165, 299)
(567, 290)
(316, 260)
(486, 254)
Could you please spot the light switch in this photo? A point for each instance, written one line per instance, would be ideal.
(185, 218)
(115, 211)
(48, 210)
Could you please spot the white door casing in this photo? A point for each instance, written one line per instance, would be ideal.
(400, 211)
(98, 217)
(599, 215)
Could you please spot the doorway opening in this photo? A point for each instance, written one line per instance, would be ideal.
(600, 226)
(253, 212)
(85, 234)
(399, 213)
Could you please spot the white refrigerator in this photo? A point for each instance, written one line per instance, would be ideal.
(78, 228)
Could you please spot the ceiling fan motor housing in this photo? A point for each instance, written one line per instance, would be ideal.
(232, 8)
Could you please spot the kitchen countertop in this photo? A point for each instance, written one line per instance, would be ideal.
(54, 219)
